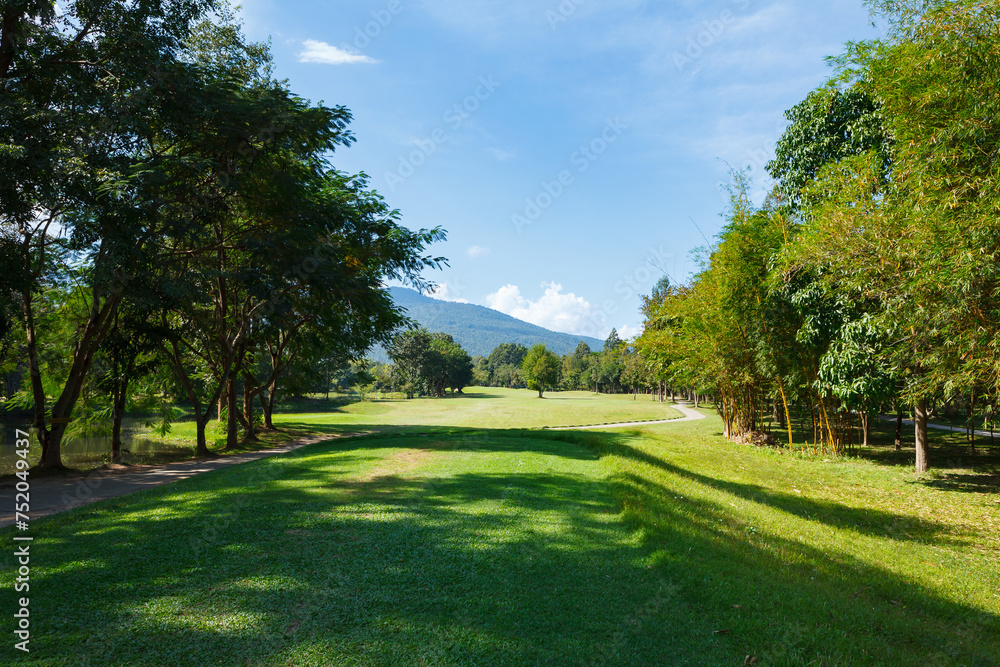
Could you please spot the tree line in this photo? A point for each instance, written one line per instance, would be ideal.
(173, 227)
(868, 281)
(425, 363)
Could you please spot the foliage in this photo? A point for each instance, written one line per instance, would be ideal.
(870, 275)
(147, 156)
(428, 363)
(541, 369)
(828, 126)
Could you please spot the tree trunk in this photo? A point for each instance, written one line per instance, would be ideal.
(251, 428)
(899, 428)
(117, 416)
(972, 424)
(920, 434)
(232, 434)
(866, 421)
(83, 355)
(696, 403)
(849, 418)
(812, 416)
(201, 449)
(266, 408)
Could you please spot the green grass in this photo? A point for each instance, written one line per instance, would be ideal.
(451, 541)
(478, 407)
(481, 407)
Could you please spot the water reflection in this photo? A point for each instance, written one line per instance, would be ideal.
(86, 452)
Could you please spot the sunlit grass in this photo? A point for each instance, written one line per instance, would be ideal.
(468, 543)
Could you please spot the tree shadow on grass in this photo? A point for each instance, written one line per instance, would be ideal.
(863, 520)
(867, 521)
(948, 451)
(979, 472)
(300, 560)
(983, 483)
(797, 604)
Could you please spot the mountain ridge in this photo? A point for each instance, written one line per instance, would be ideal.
(479, 329)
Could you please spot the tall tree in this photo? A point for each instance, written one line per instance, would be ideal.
(81, 91)
(541, 368)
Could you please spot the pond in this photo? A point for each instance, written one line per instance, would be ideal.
(86, 452)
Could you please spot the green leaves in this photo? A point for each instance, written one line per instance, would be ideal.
(541, 369)
(828, 126)
(430, 362)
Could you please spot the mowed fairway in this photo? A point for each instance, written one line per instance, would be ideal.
(441, 544)
(489, 407)
(478, 407)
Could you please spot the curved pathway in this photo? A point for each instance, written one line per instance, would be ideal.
(689, 416)
(54, 494)
(941, 427)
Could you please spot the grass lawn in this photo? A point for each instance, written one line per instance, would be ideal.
(477, 407)
(444, 539)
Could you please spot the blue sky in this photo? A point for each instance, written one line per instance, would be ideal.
(574, 150)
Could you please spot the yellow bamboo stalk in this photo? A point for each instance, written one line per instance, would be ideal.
(788, 416)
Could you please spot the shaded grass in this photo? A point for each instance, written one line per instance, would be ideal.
(446, 545)
(838, 562)
(476, 550)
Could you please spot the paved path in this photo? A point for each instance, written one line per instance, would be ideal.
(53, 495)
(689, 416)
(940, 427)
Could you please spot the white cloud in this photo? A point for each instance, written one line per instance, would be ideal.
(555, 310)
(628, 332)
(477, 251)
(501, 154)
(327, 54)
(446, 292)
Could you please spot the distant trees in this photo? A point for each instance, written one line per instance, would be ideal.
(428, 363)
(619, 368)
(541, 369)
(574, 367)
(451, 366)
(503, 365)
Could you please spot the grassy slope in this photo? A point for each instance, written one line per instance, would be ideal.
(661, 545)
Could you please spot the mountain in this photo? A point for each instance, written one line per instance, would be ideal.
(478, 329)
